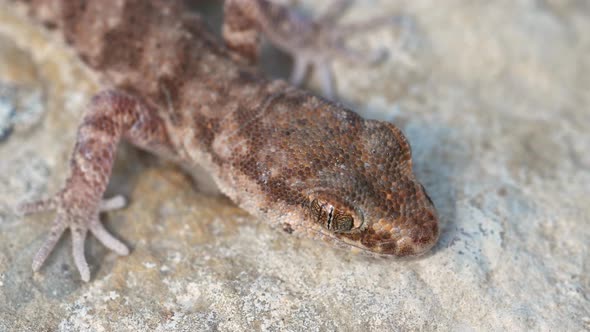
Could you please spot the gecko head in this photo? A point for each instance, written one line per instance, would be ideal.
(332, 174)
(374, 201)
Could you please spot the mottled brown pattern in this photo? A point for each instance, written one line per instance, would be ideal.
(272, 148)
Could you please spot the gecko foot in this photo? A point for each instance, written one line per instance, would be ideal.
(110, 116)
(80, 217)
(330, 42)
(310, 42)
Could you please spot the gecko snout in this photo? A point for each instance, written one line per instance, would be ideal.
(403, 224)
(407, 230)
(412, 238)
(413, 233)
(409, 235)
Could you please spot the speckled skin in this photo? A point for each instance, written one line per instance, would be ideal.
(301, 162)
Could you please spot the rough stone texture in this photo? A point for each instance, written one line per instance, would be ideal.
(496, 106)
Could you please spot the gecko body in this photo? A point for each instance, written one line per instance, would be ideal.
(298, 161)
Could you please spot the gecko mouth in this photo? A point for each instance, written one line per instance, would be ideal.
(427, 196)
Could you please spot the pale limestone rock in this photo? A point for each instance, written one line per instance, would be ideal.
(497, 108)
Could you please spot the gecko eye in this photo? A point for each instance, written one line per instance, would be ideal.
(342, 223)
(338, 220)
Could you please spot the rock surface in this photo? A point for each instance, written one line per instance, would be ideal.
(496, 104)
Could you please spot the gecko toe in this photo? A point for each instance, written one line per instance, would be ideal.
(113, 203)
(59, 226)
(326, 77)
(300, 68)
(107, 239)
(78, 238)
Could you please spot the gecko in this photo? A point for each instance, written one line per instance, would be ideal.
(305, 164)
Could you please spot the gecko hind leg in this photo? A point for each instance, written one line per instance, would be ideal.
(110, 117)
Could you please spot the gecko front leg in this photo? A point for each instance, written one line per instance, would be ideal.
(310, 42)
(110, 116)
